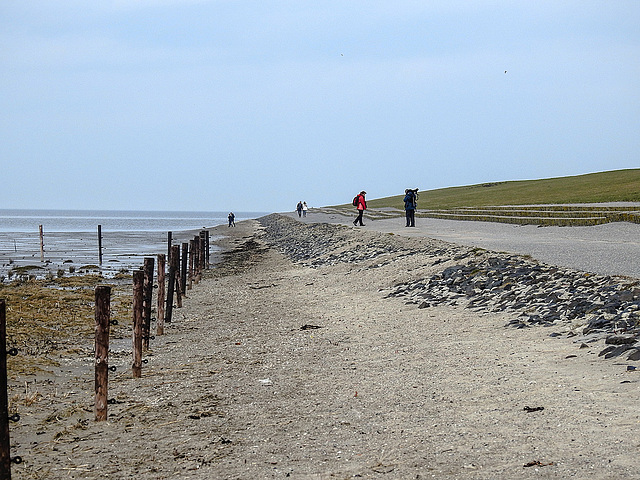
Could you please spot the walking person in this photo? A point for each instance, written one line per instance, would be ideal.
(361, 204)
(299, 208)
(410, 205)
(304, 209)
(232, 219)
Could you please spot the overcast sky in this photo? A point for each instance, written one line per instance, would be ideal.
(254, 105)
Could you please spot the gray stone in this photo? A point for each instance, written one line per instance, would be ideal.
(621, 340)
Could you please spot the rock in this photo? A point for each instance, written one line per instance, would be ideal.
(614, 351)
(621, 340)
(634, 355)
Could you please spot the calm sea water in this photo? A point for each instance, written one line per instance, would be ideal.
(70, 237)
(119, 221)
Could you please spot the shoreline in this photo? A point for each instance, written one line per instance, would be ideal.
(122, 252)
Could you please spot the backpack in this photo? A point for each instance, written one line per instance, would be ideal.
(355, 200)
(414, 197)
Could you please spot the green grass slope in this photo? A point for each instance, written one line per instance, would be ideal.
(613, 186)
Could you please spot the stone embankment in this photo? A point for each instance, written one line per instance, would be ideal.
(542, 215)
(582, 305)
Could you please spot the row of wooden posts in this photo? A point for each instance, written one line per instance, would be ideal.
(184, 271)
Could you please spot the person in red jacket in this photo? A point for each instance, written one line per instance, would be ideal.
(361, 206)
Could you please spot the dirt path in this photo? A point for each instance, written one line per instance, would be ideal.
(279, 370)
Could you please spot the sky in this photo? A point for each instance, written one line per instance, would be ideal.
(246, 105)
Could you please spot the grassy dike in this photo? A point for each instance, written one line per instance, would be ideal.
(582, 200)
(613, 186)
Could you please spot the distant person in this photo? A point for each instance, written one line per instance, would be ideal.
(410, 205)
(361, 204)
(299, 208)
(304, 209)
(232, 219)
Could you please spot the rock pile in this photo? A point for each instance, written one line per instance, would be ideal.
(592, 306)
(538, 294)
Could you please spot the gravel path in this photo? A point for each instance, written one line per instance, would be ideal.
(610, 249)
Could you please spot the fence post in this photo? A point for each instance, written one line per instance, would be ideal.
(148, 295)
(41, 243)
(161, 275)
(173, 263)
(192, 248)
(169, 235)
(206, 239)
(196, 259)
(5, 443)
(138, 296)
(185, 260)
(100, 244)
(103, 318)
(203, 247)
(178, 282)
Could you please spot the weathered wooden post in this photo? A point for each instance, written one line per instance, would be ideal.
(203, 247)
(173, 266)
(41, 243)
(178, 282)
(161, 275)
(100, 244)
(185, 260)
(138, 299)
(206, 241)
(148, 296)
(103, 319)
(192, 249)
(196, 260)
(169, 235)
(202, 251)
(5, 443)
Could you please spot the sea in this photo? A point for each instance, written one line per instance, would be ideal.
(70, 239)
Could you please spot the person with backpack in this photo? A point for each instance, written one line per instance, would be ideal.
(360, 203)
(410, 205)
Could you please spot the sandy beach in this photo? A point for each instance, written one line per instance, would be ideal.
(305, 355)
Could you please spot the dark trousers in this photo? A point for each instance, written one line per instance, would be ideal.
(359, 219)
(411, 219)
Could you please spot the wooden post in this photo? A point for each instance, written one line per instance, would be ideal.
(161, 275)
(185, 260)
(201, 248)
(192, 249)
(100, 244)
(206, 241)
(169, 235)
(173, 266)
(138, 297)
(5, 443)
(177, 283)
(196, 259)
(148, 296)
(103, 318)
(41, 244)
